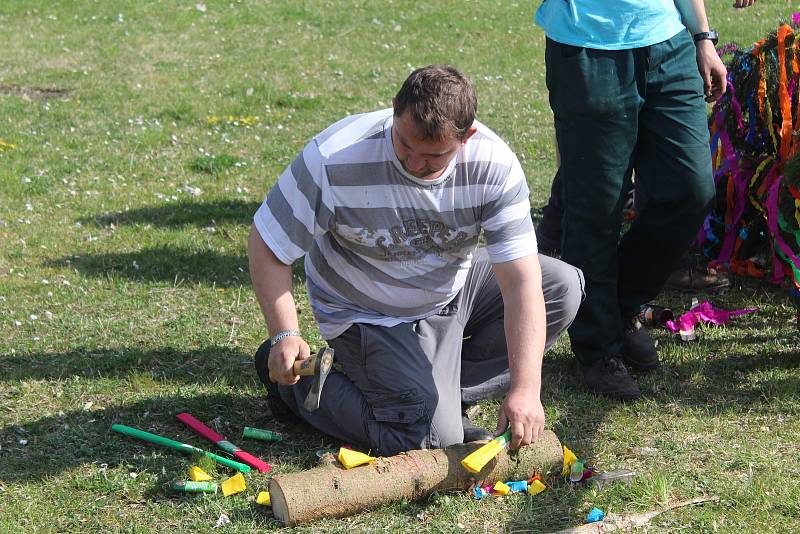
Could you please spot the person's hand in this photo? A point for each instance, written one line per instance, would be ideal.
(738, 4)
(282, 357)
(523, 412)
(712, 70)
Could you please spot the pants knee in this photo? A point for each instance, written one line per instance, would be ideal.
(564, 294)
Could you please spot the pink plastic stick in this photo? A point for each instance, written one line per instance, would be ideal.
(204, 431)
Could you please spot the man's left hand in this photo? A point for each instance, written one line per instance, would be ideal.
(712, 70)
(523, 412)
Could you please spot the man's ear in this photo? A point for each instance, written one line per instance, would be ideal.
(470, 133)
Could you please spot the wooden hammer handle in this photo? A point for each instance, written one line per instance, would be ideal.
(305, 367)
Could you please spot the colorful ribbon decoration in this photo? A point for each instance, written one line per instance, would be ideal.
(754, 230)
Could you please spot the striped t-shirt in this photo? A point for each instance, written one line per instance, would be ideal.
(381, 246)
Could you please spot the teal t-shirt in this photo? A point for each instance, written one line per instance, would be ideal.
(609, 24)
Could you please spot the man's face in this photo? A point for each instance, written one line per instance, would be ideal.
(420, 157)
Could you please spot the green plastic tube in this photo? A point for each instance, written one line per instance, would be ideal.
(263, 435)
(190, 486)
(178, 446)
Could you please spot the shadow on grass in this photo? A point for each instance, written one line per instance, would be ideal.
(84, 439)
(181, 214)
(726, 379)
(200, 366)
(168, 264)
(725, 382)
(578, 416)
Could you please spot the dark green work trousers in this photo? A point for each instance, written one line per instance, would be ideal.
(617, 111)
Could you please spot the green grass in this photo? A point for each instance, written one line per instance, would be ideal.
(126, 296)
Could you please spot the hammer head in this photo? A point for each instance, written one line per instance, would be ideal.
(322, 367)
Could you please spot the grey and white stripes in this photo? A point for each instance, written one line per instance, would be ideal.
(383, 247)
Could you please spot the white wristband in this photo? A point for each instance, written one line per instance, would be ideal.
(282, 334)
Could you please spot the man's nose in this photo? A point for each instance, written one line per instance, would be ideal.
(415, 163)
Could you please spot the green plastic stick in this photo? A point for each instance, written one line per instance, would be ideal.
(190, 486)
(178, 446)
(263, 435)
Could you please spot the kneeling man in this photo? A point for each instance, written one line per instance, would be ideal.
(387, 207)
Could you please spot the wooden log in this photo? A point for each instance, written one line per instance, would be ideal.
(332, 491)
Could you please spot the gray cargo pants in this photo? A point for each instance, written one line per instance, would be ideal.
(402, 387)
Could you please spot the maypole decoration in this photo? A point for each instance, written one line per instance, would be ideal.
(754, 229)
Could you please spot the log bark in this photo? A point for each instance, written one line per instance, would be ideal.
(332, 491)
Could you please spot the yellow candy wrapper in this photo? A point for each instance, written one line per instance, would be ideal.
(569, 460)
(536, 487)
(350, 458)
(476, 461)
(501, 488)
(234, 485)
(198, 475)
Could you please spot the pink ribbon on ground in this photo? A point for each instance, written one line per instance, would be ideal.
(704, 313)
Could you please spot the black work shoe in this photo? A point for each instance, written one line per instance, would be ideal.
(474, 432)
(638, 349)
(610, 377)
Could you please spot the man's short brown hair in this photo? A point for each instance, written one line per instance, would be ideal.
(441, 101)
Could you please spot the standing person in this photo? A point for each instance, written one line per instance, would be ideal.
(628, 86)
(387, 208)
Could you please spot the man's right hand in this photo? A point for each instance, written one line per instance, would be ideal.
(282, 357)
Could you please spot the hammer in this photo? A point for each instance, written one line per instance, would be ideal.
(319, 366)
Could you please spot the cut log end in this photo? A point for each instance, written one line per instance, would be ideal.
(279, 507)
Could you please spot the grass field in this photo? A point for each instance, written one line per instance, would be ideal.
(145, 134)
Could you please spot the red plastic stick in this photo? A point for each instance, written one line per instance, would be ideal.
(202, 430)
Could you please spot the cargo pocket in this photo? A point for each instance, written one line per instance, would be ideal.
(399, 423)
(402, 408)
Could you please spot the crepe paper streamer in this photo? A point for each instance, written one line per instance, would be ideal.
(479, 493)
(576, 471)
(702, 313)
(203, 431)
(488, 488)
(755, 153)
(198, 475)
(350, 458)
(234, 485)
(587, 474)
(569, 459)
(263, 435)
(178, 446)
(518, 486)
(263, 498)
(476, 460)
(536, 487)
(191, 486)
(501, 488)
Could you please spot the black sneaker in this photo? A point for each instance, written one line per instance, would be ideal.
(638, 349)
(610, 377)
(473, 432)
